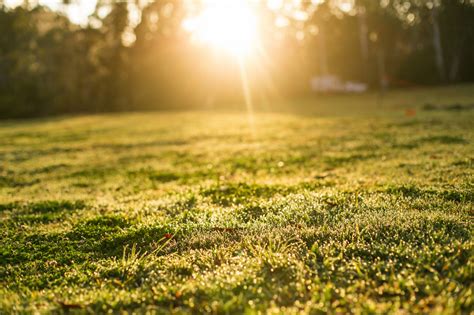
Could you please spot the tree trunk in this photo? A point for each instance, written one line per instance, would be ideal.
(323, 57)
(454, 69)
(437, 45)
(363, 40)
(381, 69)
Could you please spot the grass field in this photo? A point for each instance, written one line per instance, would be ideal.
(340, 205)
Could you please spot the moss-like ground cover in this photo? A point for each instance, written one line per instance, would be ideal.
(364, 210)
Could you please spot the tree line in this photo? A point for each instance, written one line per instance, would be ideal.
(48, 65)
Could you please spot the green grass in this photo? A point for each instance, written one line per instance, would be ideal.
(351, 207)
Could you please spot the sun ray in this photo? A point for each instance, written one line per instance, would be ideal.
(247, 96)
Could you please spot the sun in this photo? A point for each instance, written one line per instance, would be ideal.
(230, 26)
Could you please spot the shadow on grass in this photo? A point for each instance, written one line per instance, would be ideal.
(416, 192)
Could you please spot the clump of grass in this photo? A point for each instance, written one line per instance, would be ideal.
(135, 266)
(164, 177)
(229, 194)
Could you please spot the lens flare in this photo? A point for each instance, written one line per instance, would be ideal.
(230, 26)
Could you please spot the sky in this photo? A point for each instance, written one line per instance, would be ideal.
(77, 11)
